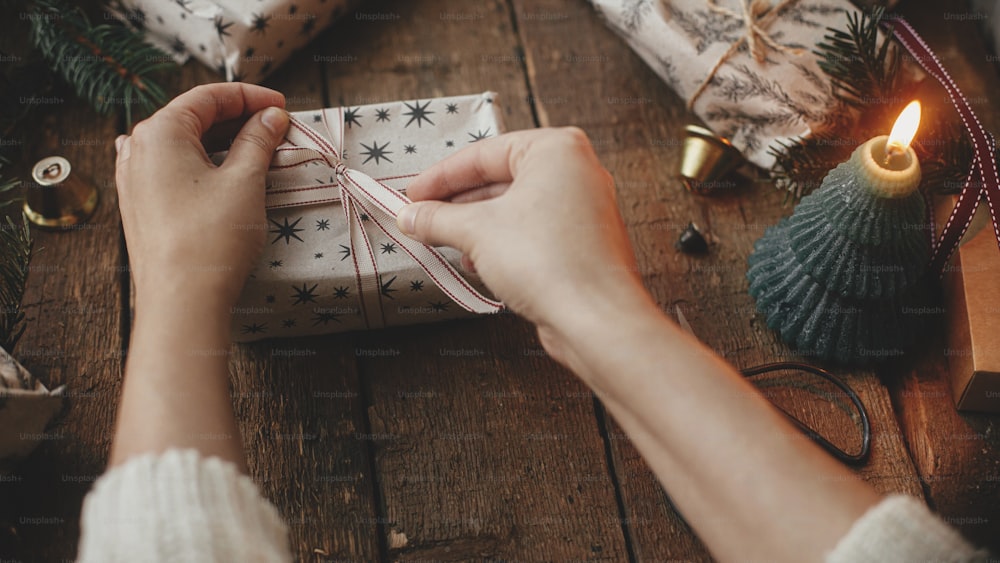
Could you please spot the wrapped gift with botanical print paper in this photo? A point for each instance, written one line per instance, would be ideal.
(746, 67)
(334, 258)
(26, 408)
(244, 40)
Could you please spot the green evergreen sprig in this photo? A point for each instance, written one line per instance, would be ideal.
(865, 74)
(108, 65)
(15, 250)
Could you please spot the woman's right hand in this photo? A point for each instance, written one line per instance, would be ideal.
(535, 213)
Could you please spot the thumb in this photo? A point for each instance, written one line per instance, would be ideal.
(438, 223)
(254, 145)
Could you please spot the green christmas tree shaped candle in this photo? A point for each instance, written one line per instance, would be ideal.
(841, 278)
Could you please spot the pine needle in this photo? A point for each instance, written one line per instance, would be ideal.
(108, 65)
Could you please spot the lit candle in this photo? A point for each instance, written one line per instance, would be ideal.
(887, 164)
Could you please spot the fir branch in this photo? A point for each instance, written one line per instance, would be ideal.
(15, 255)
(865, 75)
(108, 65)
(860, 69)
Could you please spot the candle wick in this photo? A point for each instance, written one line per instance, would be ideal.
(891, 150)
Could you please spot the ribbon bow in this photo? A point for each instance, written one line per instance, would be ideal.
(758, 16)
(984, 165)
(363, 196)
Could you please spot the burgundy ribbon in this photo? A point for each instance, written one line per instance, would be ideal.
(984, 166)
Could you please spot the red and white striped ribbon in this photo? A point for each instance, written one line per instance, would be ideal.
(984, 166)
(361, 195)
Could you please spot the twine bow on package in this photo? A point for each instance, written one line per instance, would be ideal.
(334, 259)
(746, 67)
(241, 39)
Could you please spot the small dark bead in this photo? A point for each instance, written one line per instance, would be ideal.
(691, 241)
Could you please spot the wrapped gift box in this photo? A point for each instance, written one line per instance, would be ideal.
(26, 408)
(243, 40)
(334, 259)
(753, 104)
(972, 305)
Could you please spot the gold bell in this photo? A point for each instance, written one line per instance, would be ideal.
(56, 197)
(707, 158)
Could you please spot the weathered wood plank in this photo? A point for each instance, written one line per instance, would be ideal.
(637, 126)
(74, 337)
(957, 454)
(484, 448)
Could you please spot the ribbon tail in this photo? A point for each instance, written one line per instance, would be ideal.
(382, 204)
(365, 266)
(983, 144)
(954, 229)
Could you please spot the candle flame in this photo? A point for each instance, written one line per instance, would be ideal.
(905, 128)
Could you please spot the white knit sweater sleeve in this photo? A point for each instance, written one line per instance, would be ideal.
(902, 529)
(179, 506)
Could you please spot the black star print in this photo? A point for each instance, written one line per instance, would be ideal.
(341, 292)
(387, 287)
(364, 216)
(317, 118)
(451, 108)
(417, 285)
(409, 149)
(439, 306)
(303, 295)
(449, 144)
(489, 100)
(479, 135)
(183, 4)
(325, 318)
(286, 231)
(260, 23)
(254, 328)
(376, 152)
(418, 112)
(308, 25)
(178, 45)
(275, 264)
(388, 248)
(351, 117)
(288, 323)
(381, 115)
(318, 255)
(345, 252)
(222, 28)
(269, 299)
(322, 224)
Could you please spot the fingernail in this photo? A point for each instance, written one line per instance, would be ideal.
(275, 119)
(406, 219)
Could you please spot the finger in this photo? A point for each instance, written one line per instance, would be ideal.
(438, 224)
(254, 145)
(203, 106)
(467, 264)
(480, 194)
(490, 161)
(122, 148)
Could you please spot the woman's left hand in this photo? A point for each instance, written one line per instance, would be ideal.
(194, 228)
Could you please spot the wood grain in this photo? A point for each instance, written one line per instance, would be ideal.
(74, 337)
(484, 448)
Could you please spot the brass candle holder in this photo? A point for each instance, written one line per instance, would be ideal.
(56, 197)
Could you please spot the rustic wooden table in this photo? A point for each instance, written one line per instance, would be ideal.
(501, 453)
